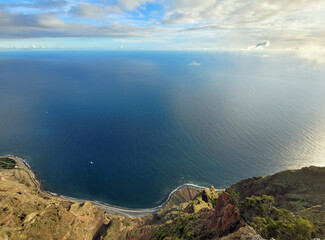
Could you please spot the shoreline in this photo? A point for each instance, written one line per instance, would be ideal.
(106, 207)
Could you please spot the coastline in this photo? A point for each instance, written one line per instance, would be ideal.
(131, 212)
(28, 211)
(106, 207)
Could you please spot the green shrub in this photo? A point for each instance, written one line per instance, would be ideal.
(256, 206)
(272, 222)
(235, 196)
(295, 228)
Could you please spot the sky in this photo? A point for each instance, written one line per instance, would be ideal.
(163, 24)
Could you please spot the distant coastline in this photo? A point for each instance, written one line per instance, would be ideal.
(106, 207)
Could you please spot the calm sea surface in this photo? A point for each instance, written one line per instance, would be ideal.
(127, 127)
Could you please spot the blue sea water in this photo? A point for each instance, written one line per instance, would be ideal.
(128, 127)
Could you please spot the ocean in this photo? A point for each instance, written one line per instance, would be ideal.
(128, 127)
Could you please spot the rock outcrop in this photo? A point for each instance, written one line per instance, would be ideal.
(209, 216)
(226, 216)
(243, 233)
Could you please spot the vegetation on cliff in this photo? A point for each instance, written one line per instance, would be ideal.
(286, 205)
(272, 222)
(292, 189)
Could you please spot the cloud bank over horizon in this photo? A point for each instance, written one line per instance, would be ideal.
(162, 24)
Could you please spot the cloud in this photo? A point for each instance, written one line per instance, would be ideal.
(88, 11)
(204, 28)
(100, 10)
(50, 4)
(235, 13)
(244, 21)
(195, 64)
(312, 53)
(132, 4)
(49, 21)
(262, 45)
(221, 24)
(15, 25)
(12, 20)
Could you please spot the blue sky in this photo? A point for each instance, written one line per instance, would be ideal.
(162, 24)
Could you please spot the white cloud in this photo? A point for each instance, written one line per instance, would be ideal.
(14, 25)
(11, 20)
(132, 4)
(312, 53)
(213, 24)
(195, 64)
(281, 21)
(49, 21)
(87, 11)
(235, 13)
(259, 46)
(262, 45)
